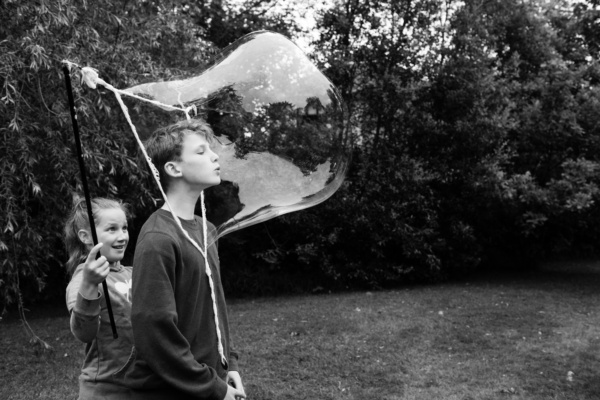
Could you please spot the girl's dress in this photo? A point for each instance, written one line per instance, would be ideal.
(105, 356)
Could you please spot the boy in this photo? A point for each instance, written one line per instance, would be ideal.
(180, 352)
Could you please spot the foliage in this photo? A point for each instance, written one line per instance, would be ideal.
(480, 151)
(127, 42)
(224, 22)
(544, 93)
(474, 124)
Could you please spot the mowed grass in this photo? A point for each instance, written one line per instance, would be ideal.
(533, 336)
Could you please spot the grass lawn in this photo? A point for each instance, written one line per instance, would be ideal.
(534, 336)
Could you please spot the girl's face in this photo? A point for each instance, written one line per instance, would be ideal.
(111, 229)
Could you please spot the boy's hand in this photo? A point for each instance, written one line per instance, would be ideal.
(94, 272)
(234, 394)
(234, 379)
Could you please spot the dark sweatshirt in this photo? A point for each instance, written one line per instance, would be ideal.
(172, 314)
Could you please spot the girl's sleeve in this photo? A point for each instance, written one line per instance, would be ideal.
(85, 313)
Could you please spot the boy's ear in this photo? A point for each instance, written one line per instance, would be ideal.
(172, 169)
(85, 236)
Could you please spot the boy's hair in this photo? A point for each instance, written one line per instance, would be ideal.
(77, 220)
(166, 144)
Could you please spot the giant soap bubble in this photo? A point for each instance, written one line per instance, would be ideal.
(279, 123)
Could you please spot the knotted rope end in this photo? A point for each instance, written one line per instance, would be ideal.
(89, 75)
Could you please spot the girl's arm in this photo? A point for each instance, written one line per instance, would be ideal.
(83, 296)
(85, 317)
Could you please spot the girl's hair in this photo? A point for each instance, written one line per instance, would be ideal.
(77, 220)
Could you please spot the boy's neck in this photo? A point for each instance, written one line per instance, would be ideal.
(183, 203)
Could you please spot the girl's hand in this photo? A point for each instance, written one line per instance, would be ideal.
(94, 272)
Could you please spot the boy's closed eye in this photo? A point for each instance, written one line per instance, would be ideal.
(201, 150)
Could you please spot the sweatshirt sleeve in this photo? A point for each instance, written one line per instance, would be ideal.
(85, 313)
(157, 337)
(233, 360)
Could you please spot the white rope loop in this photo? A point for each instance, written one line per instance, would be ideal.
(91, 78)
(212, 288)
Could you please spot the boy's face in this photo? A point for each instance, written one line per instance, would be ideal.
(199, 164)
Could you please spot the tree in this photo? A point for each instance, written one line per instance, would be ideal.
(388, 226)
(127, 42)
(466, 151)
(474, 124)
(526, 101)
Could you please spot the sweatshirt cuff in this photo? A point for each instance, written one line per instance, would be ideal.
(233, 362)
(221, 389)
(87, 307)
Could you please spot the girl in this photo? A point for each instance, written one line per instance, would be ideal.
(104, 355)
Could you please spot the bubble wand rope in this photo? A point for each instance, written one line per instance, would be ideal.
(90, 77)
(86, 191)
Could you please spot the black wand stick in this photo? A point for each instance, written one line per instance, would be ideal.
(86, 190)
